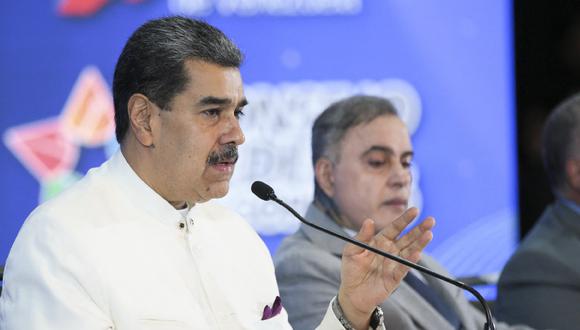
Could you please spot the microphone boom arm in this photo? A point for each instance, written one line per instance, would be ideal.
(489, 325)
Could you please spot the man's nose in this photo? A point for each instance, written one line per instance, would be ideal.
(232, 132)
(400, 176)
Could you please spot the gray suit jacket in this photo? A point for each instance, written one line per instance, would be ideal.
(540, 284)
(308, 273)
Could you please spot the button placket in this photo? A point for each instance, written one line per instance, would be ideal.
(184, 223)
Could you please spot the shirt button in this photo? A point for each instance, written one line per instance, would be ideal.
(181, 225)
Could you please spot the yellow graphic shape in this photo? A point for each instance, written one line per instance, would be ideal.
(88, 117)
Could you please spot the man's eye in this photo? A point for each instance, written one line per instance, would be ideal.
(239, 113)
(376, 163)
(406, 163)
(212, 112)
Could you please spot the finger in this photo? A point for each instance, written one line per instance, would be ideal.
(364, 235)
(412, 254)
(394, 229)
(413, 251)
(426, 225)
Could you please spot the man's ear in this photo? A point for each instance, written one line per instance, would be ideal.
(140, 113)
(324, 174)
(573, 173)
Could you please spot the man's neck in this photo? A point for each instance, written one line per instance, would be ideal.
(571, 200)
(135, 160)
(569, 193)
(178, 205)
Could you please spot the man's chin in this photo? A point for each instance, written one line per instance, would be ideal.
(219, 190)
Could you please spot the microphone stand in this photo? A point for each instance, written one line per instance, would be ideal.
(489, 325)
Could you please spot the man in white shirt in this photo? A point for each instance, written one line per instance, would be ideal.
(136, 244)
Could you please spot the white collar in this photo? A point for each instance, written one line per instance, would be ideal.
(139, 193)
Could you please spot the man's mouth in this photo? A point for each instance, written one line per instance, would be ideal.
(224, 165)
(398, 202)
(230, 162)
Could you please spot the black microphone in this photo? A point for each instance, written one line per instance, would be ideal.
(265, 192)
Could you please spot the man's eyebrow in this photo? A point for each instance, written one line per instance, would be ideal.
(386, 150)
(213, 100)
(409, 153)
(243, 102)
(383, 149)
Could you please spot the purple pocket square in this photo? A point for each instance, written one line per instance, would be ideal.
(274, 310)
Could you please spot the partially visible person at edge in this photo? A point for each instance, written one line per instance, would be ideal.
(362, 154)
(540, 284)
(137, 244)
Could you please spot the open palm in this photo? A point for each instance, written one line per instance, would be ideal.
(368, 278)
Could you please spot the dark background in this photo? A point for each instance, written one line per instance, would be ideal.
(547, 63)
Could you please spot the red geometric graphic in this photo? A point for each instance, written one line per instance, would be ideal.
(83, 8)
(80, 7)
(42, 148)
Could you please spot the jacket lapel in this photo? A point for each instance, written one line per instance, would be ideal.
(566, 216)
(323, 240)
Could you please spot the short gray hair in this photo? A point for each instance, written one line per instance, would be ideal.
(332, 124)
(561, 140)
(152, 61)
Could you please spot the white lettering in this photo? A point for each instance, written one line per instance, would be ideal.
(265, 7)
(277, 149)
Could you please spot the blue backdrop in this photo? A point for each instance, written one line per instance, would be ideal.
(447, 64)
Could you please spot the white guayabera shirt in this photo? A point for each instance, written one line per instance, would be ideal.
(110, 253)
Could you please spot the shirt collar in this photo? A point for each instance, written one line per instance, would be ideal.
(571, 204)
(351, 232)
(139, 193)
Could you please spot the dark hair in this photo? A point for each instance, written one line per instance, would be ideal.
(332, 124)
(152, 61)
(560, 138)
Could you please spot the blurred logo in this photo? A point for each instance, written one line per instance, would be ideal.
(49, 149)
(261, 7)
(277, 130)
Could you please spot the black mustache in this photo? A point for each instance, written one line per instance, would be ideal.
(228, 154)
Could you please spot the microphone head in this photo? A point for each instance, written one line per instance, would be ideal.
(263, 191)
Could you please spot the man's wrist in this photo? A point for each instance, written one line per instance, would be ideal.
(376, 320)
